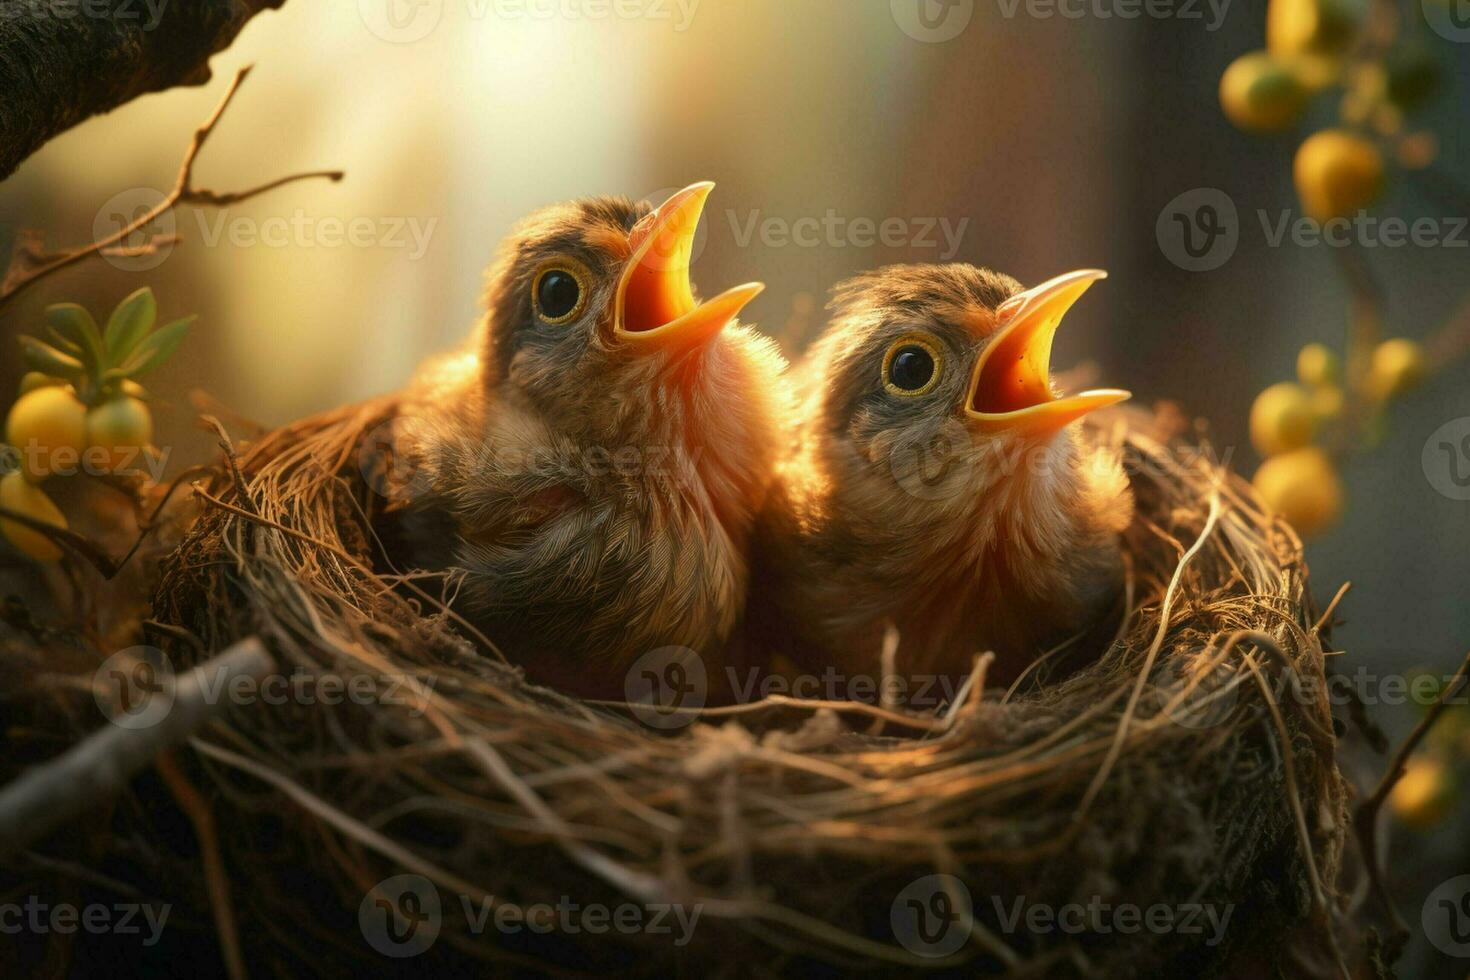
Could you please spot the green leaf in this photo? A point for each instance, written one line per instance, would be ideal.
(130, 323)
(66, 344)
(42, 357)
(157, 347)
(75, 324)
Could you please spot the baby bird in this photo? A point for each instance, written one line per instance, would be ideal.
(592, 465)
(937, 482)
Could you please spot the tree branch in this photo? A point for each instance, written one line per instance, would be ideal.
(31, 263)
(62, 63)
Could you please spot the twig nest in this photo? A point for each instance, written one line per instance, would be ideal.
(1169, 806)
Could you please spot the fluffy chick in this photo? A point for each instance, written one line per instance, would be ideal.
(593, 463)
(937, 482)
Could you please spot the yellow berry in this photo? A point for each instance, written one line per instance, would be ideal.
(1318, 27)
(1262, 92)
(32, 380)
(1282, 419)
(1337, 173)
(1303, 487)
(1396, 366)
(1316, 365)
(23, 497)
(1423, 795)
(48, 428)
(116, 431)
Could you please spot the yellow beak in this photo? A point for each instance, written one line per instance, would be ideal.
(655, 305)
(1011, 387)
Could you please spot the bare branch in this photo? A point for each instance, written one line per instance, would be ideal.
(31, 263)
(98, 767)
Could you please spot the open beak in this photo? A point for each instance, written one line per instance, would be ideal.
(655, 305)
(1011, 387)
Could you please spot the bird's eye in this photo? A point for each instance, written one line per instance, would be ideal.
(911, 367)
(560, 293)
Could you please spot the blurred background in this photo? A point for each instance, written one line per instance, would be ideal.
(842, 135)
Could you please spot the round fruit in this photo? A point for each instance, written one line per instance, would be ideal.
(23, 497)
(116, 430)
(1423, 795)
(1319, 27)
(1396, 366)
(32, 380)
(1316, 365)
(1303, 487)
(1282, 419)
(1261, 92)
(48, 428)
(1337, 174)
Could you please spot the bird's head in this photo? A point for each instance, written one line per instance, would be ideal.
(935, 410)
(594, 321)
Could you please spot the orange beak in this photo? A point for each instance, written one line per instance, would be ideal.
(655, 305)
(1011, 388)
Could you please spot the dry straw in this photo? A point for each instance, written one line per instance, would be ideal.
(1190, 763)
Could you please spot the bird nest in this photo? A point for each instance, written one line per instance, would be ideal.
(1168, 803)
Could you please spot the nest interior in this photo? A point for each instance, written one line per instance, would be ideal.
(1190, 763)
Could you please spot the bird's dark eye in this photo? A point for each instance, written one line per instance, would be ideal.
(560, 294)
(911, 367)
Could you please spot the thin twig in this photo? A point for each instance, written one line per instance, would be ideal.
(218, 882)
(98, 767)
(31, 264)
(1365, 817)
